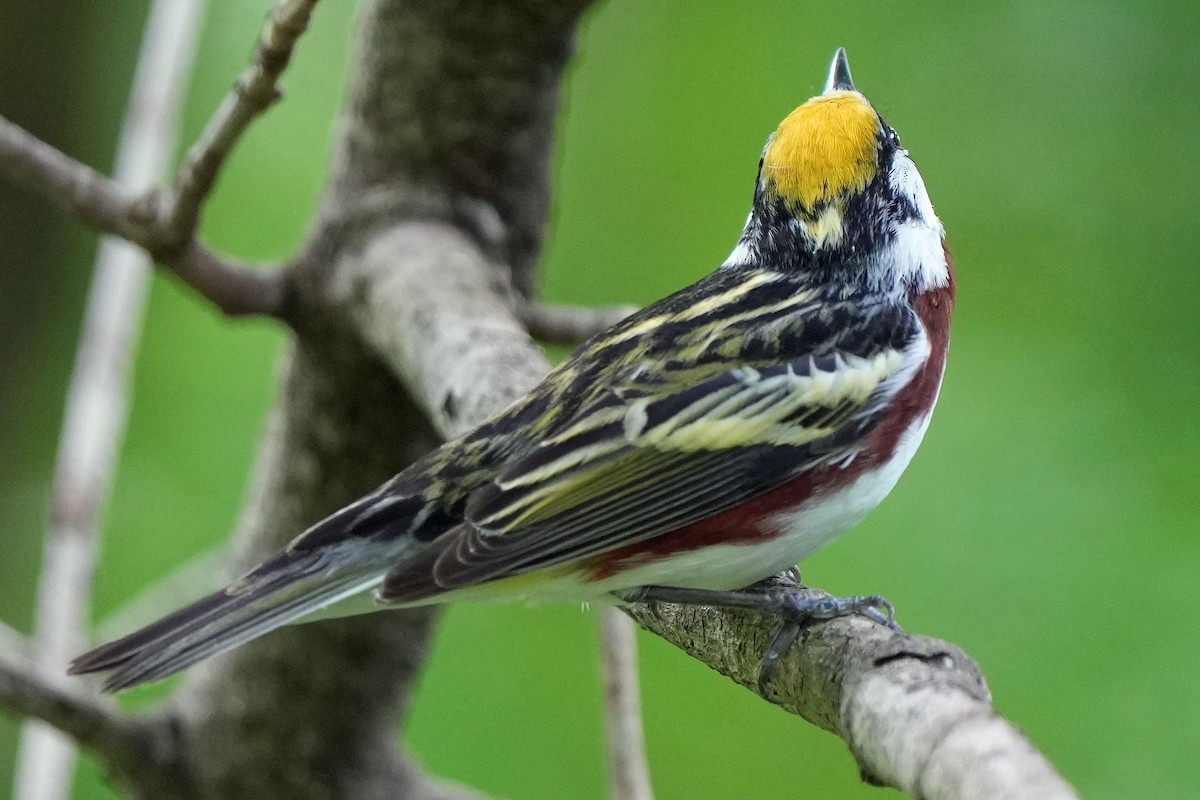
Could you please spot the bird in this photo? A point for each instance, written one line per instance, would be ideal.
(701, 445)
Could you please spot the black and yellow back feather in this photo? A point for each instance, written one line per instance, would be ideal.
(692, 406)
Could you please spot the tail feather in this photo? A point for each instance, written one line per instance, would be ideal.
(284, 589)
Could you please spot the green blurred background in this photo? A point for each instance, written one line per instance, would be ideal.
(1049, 525)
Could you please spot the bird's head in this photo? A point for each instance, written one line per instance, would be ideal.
(834, 184)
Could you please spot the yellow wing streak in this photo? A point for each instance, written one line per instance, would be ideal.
(752, 416)
(710, 304)
(633, 331)
(633, 417)
(754, 410)
(792, 300)
(612, 480)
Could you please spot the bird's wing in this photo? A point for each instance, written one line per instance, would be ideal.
(637, 463)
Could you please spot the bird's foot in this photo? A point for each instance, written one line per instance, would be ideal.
(799, 606)
(795, 605)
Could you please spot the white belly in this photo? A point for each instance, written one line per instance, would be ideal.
(801, 532)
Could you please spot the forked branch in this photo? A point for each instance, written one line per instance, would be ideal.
(255, 90)
(164, 221)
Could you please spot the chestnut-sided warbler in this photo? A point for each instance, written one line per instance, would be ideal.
(705, 443)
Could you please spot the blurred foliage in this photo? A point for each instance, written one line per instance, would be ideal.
(1049, 525)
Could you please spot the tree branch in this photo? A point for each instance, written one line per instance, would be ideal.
(87, 194)
(234, 288)
(164, 222)
(86, 718)
(454, 341)
(914, 710)
(569, 325)
(628, 772)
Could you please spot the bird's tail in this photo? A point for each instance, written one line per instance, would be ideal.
(282, 589)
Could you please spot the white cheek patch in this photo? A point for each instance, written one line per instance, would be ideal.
(916, 251)
(906, 180)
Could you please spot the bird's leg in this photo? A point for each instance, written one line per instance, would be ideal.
(796, 606)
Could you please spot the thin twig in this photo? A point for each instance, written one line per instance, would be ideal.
(555, 324)
(235, 288)
(164, 222)
(628, 771)
(256, 89)
(87, 194)
(97, 405)
(86, 718)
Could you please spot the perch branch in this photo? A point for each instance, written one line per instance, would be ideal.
(97, 398)
(914, 710)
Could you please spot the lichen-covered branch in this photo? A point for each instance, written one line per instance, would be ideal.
(452, 338)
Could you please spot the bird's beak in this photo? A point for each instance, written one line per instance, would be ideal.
(839, 74)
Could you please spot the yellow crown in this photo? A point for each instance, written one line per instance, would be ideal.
(822, 151)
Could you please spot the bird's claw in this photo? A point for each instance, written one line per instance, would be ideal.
(802, 606)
